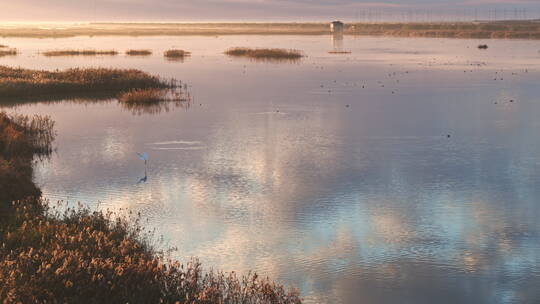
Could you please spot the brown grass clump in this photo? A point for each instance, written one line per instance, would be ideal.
(79, 53)
(20, 83)
(143, 96)
(176, 54)
(8, 52)
(15, 184)
(21, 138)
(154, 101)
(138, 52)
(339, 52)
(24, 136)
(264, 53)
(79, 256)
(3, 46)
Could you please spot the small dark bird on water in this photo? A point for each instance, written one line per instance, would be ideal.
(448, 136)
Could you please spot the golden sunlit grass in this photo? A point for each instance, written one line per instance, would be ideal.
(339, 52)
(80, 53)
(143, 96)
(138, 52)
(261, 53)
(8, 52)
(176, 54)
(21, 137)
(153, 101)
(71, 256)
(19, 83)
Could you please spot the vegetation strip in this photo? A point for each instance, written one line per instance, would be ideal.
(20, 83)
(175, 53)
(261, 53)
(138, 52)
(8, 52)
(482, 29)
(58, 53)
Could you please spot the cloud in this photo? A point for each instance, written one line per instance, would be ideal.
(240, 10)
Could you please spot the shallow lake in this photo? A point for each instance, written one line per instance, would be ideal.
(405, 172)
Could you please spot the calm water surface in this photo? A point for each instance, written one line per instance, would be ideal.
(400, 173)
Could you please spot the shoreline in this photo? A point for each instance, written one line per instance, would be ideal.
(479, 30)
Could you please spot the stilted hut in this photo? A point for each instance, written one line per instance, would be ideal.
(337, 27)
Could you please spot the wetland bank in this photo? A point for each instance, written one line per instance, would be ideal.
(333, 174)
(513, 29)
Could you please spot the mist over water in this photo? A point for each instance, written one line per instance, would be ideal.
(406, 171)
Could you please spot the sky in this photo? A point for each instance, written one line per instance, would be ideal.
(253, 10)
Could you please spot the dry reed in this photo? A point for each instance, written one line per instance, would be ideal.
(8, 52)
(261, 53)
(176, 54)
(154, 101)
(79, 256)
(143, 96)
(21, 137)
(339, 52)
(21, 83)
(79, 53)
(138, 52)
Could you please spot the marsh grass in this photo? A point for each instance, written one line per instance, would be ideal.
(154, 101)
(143, 96)
(3, 46)
(262, 54)
(339, 52)
(21, 138)
(26, 83)
(138, 52)
(176, 54)
(73, 255)
(22, 135)
(57, 53)
(8, 52)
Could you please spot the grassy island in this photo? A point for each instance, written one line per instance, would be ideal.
(24, 83)
(176, 54)
(138, 52)
(79, 53)
(261, 53)
(8, 52)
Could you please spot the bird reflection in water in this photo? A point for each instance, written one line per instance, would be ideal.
(143, 179)
(144, 157)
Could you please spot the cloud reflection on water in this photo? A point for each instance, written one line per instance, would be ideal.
(369, 203)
